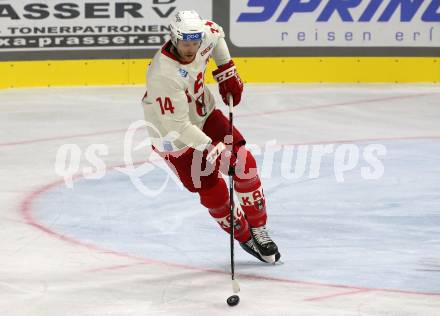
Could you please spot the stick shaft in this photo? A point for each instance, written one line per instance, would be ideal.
(231, 189)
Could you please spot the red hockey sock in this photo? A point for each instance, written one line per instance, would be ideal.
(216, 199)
(249, 190)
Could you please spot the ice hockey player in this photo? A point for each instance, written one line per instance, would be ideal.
(192, 135)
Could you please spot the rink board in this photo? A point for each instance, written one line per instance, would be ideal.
(252, 69)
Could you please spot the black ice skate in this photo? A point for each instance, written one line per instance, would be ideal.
(264, 244)
(251, 248)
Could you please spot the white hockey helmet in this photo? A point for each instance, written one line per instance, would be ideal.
(186, 26)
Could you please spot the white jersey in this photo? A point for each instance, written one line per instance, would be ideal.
(176, 102)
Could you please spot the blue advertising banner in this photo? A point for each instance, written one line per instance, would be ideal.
(335, 23)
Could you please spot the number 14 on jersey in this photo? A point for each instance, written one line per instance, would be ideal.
(165, 105)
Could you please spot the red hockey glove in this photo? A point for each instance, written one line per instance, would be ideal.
(218, 153)
(228, 82)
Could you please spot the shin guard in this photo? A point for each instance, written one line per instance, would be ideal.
(216, 199)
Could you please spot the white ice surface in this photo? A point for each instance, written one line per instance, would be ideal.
(358, 247)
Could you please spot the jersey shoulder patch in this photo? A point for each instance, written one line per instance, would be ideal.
(213, 29)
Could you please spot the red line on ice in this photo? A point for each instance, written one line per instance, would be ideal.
(318, 298)
(26, 212)
(348, 103)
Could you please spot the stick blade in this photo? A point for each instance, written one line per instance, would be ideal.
(235, 286)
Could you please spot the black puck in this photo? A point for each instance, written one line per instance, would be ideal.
(233, 300)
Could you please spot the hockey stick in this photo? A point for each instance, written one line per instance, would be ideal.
(235, 285)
